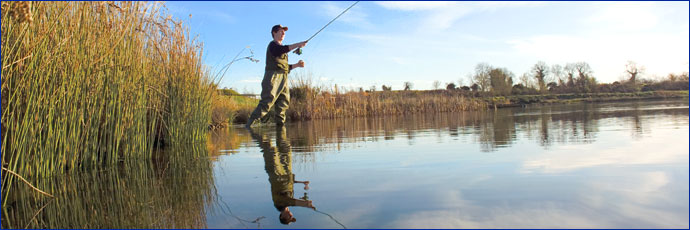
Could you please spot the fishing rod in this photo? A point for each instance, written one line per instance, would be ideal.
(298, 51)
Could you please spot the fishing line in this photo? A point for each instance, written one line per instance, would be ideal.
(298, 51)
(331, 218)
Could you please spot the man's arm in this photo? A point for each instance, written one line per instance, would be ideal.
(276, 49)
(304, 203)
(297, 45)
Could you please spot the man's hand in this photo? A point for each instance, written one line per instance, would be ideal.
(302, 44)
(300, 63)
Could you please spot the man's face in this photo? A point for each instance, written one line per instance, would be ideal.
(279, 35)
(287, 215)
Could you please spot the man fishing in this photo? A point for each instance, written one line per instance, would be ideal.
(274, 87)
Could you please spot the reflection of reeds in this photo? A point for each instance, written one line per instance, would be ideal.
(89, 84)
(226, 141)
(309, 101)
(165, 194)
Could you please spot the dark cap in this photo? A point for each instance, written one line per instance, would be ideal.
(277, 27)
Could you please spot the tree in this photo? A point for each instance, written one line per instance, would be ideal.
(450, 86)
(526, 81)
(474, 87)
(559, 75)
(386, 88)
(481, 75)
(584, 82)
(552, 86)
(634, 70)
(540, 70)
(436, 84)
(407, 85)
(501, 81)
(570, 75)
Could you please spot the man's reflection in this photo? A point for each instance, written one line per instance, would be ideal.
(278, 163)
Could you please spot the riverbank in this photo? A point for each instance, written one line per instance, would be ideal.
(308, 106)
(522, 100)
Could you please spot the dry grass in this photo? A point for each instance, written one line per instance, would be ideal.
(311, 101)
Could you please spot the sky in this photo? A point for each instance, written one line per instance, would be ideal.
(389, 43)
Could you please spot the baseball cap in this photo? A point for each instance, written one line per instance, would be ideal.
(277, 27)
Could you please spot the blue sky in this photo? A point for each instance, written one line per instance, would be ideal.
(390, 43)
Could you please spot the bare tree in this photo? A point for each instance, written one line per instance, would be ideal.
(570, 72)
(481, 75)
(407, 85)
(585, 81)
(526, 81)
(634, 70)
(436, 84)
(540, 70)
(557, 72)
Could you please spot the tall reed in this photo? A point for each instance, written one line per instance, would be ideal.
(89, 84)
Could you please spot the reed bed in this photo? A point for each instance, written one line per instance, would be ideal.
(310, 101)
(227, 109)
(89, 84)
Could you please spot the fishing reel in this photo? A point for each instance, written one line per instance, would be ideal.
(298, 51)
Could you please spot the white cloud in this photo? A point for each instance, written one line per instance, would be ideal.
(626, 16)
(565, 159)
(607, 53)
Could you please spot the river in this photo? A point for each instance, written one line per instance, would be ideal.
(590, 165)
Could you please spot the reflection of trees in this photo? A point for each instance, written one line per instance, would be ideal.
(547, 125)
(164, 194)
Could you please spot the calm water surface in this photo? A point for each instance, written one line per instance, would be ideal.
(602, 165)
(605, 165)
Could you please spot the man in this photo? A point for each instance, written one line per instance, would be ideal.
(274, 87)
(278, 165)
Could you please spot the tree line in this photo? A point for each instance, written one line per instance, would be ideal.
(576, 77)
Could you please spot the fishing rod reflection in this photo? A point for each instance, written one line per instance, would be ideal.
(278, 165)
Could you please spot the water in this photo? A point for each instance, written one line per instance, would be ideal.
(602, 165)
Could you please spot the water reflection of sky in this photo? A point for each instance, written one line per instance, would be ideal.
(622, 165)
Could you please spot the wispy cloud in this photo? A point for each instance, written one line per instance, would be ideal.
(566, 159)
(221, 16)
(416, 6)
(443, 15)
(354, 16)
(253, 80)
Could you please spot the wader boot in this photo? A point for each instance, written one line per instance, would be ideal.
(274, 95)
